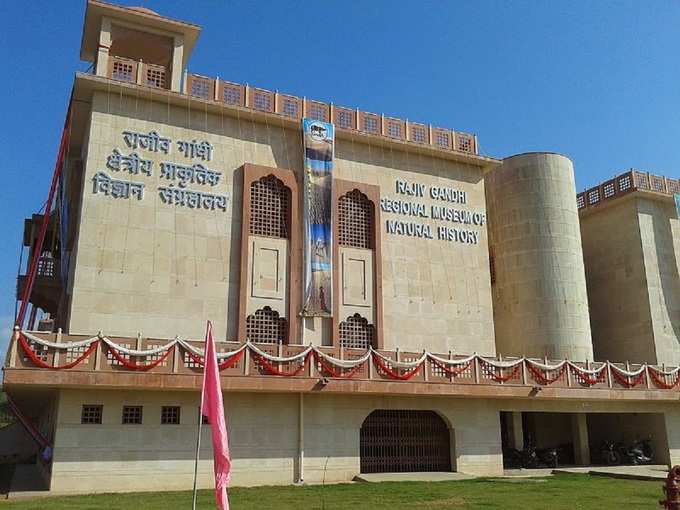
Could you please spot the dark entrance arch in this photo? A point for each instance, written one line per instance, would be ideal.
(400, 440)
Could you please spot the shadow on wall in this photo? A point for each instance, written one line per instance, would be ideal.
(668, 260)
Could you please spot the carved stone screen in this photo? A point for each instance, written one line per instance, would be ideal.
(356, 332)
(355, 220)
(269, 208)
(266, 327)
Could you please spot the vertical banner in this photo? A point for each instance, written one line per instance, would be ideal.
(319, 141)
(677, 203)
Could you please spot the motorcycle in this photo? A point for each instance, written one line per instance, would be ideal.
(641, 452)
(610, 453)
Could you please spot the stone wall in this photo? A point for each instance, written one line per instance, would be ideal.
(264, 438)
(632, 255)
(161, 270)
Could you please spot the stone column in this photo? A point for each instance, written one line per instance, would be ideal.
(103, 48)
(177, 60)
(513, 422)
(579, 433)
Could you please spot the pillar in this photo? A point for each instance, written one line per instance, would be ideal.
(177, 60)
(579, 433)
(103, 48)
(672, 419)
(513, 422)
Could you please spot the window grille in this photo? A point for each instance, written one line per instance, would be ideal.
(132, 415)
(114, 361)
(91, 414)
(232, 95)
(394, 129)
(418, 134)
(170, 415)
(463, 142)
(443, 139)
(189, 361)
(262, 100)
(593, 196)
(673, 185)
(355, 220)
(580, 200)
(356, 333)
(317, 111)
(371, 124)
(625, 182)
(39, 350)
(290, 107)
(343, 118)
(155, 77)
(123, 71)
(266, 327)
(269, 207)
(200, 88)
(76, 352)
(609, 189)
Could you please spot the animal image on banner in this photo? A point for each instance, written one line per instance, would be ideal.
(319, 139)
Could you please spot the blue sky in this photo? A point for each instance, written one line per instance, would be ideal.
(597, 81)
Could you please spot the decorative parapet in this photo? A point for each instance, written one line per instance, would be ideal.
(632, 180)
(39, 351)
(347, 119)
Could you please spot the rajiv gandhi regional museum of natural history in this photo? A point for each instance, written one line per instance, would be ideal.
(384, 297)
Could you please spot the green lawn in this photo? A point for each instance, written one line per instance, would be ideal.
(552, 493)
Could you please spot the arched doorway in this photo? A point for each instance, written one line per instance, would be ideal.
(400, 440)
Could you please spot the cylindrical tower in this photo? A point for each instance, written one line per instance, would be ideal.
(539, 292)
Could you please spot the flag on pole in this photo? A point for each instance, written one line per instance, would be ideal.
(213, 409)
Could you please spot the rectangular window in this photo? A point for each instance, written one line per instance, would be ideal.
(132, 415)
(170, 415)
(91, 414)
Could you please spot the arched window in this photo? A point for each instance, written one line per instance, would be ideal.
(266, 327)
(269, 208)
(355, 220)
(356, 333)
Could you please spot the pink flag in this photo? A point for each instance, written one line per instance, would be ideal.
(214, 410)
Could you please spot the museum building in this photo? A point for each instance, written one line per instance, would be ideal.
(384, 297)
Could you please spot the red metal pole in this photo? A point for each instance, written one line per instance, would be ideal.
(46, 218)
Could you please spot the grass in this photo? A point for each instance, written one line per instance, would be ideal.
(552, 493)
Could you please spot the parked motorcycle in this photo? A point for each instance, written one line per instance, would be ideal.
(641, 452)
(610, 453)
(616, 453)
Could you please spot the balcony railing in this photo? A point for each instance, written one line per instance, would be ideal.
(99, 354)
(632, 180)
(141, 73)
(346, 119)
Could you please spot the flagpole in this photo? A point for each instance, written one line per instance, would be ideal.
(198, 437)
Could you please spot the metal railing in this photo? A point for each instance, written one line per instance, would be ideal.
(625, 183)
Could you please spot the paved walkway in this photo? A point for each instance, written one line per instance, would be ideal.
(412, 477)
(650, 472)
